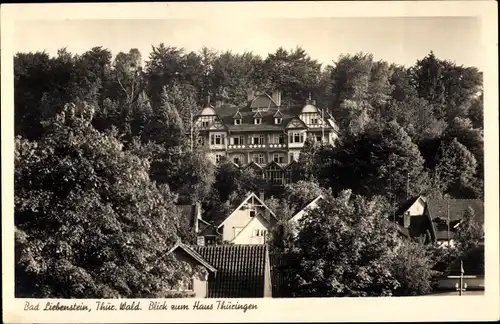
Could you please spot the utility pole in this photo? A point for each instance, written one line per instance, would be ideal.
(407, 184)
(448, 220)
(322, 125)
(191, 129)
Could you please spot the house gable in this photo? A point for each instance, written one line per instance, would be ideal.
(242, 215)
(193, 255)
(296, 123)
(251, 200)
(248, 233)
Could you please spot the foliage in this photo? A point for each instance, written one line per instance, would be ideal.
(469, 232)
(412, 267)
(343, 249)
(456, 170)
(89, 221)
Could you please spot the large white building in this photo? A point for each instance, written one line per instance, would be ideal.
(263, 134)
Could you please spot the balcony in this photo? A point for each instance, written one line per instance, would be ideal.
(256, 146)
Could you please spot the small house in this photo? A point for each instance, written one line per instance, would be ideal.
(233, 271)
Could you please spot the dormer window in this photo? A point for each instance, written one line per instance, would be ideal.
(204, 124)
(237, 118)
(257, 121)
(314, 121)
(277, 121)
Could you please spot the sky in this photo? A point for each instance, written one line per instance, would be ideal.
(396, 40)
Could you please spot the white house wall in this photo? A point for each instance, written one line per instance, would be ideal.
(247, 235)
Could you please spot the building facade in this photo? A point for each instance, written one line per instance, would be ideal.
(263, 131)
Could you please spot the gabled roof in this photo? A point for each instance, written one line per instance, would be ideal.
(254, 165)
(251, 195)
(407, 204)
(257, 217)
(273, 163)
(195, 255)
(263, 101)
(278, 114)
(315, 200)
(241, 270)
(226, 113)
(257, 114)
(297, 121)
(237, 115)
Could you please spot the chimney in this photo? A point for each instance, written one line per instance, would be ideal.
(277, 97)
(406, 220)
(261, 195)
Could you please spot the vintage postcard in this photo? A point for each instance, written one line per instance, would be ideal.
(250, 162)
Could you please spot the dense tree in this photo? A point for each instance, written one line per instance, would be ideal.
(89, 222)
(412, 268)
(383, 160)
(343, 249)
(469, 233)
(456, 170)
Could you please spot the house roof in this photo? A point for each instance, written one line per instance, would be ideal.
(440, 210)
(226, 113)
(473, 262)
(240, 270)
(300, 208)
(407, 204)
(268, 213)
(195, 255)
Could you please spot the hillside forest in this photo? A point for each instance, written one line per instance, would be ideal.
(102, 158)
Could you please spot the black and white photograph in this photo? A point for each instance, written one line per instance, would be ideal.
(219, 158)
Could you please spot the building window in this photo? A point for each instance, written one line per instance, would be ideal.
(314, 120)
(296, 137)
(237, 121)
(278, 139)
(204, 124)
(252, 213)
(236, 160)
(277, 121)
(217, 139)
(278, 158)
(258, 140)
(238, 140)
(259, 158)
(257, 121)
(319, 138)
(218, 158)
(259, 232)
(294, 157)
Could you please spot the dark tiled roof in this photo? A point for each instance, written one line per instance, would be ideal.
(240, 270)
(473, 261)
(226, 113)
(440, 210)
